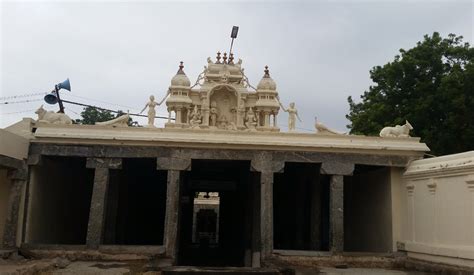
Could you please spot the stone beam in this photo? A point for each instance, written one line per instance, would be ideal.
(127, 151)
(337, 168)
(18, 178)
(95, 226)
(12, 163)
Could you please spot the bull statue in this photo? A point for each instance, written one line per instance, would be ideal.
(52, 117)
(397, 131)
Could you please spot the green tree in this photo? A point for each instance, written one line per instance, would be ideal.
(91, 115)
(431, 86)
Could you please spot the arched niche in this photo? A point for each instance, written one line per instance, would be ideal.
(224, 98)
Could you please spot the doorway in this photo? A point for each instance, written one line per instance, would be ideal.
(216, 209)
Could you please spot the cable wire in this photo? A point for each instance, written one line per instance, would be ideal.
(21, 96)
(21, 101)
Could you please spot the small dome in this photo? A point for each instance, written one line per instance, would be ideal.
(180, 79)
(267, 82)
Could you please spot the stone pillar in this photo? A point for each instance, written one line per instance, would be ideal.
(18, 178)
(175, 165)
(275, 120)
(264, 163)
(178, 115)
(337, 171)
(315, 212)
(267, 119)
(96, 222)
(205, 116)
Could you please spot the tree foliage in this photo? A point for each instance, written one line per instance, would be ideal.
(431, 86)
(91, 115)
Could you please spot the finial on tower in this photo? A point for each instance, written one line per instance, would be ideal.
(218, 58)
(267, 72)
(225, 58)
(231, 58)
(181, 66)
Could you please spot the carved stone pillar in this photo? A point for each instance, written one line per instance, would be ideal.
(18, 178)
(205, 116)
(337, 171)
(175, 165)
(96, 222)
(178, 115)
(267, 119)
(264, 163)
(275, 120)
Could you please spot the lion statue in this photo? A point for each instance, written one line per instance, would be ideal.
(52, 117)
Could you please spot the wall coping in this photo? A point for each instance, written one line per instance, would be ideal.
(455, 164)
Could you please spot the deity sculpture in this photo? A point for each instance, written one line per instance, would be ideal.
(292, 115)
(195, 117)
(213, 114)
(251, 120)
(151, 111)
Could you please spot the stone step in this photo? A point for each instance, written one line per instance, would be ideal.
(194, 270)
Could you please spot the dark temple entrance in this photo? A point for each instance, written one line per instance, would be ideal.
(217, 207)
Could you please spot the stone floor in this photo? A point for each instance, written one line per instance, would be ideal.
(64, 267)
(355, 271)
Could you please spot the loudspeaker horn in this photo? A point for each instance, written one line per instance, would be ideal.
(64, 85)
(51, 98)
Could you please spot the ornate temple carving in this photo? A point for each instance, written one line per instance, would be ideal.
(222, 98)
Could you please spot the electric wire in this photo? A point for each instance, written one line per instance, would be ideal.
(100, 101)
(21, 96)
(112, 111)
(17, 112)
(21, 101)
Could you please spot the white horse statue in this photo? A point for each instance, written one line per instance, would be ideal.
(52, 117)
(397, 131)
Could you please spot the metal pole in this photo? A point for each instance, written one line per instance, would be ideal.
(231, 44)
(61, 106)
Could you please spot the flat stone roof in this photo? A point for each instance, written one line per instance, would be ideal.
(225, 139)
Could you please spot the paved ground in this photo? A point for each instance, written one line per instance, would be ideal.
(64, 267)
(355, 271)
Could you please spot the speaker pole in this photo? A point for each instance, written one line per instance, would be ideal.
(60, 102)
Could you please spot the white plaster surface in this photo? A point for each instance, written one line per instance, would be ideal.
(438, 209)
(12, 145)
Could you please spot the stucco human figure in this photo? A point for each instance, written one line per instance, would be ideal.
(213, 114)
(151, 111)
(52, 117)
(292, 115)
(397, 131)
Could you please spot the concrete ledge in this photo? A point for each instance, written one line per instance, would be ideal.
(454, 262)
(459, 252)
(308, 253)
(104, 253)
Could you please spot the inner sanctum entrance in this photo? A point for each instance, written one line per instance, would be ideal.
(218, 210)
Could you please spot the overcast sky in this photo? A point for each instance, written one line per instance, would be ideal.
(118, 53)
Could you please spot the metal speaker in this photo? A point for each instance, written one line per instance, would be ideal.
(64, 85)
(51, 98)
